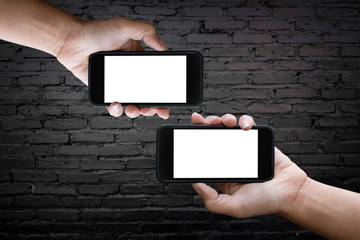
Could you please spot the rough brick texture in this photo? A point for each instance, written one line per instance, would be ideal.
(69, 171)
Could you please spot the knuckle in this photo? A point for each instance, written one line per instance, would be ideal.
(151, 29)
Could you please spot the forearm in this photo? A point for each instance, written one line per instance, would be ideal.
(328, 211)
(35, 23)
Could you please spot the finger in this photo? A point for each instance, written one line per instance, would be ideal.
(229, 188)
(277, 151)
(228, 120)
(281, 160)
(197, 119)
(132, 111)
(214, 202)
(213, 120)
(163, 112)
(146, 32)
(246, 122)
(115, 109)
(147, 111)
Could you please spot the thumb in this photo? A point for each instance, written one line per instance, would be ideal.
(146, 32)
(214, 202)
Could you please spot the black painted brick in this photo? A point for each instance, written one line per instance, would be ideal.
(71, 171)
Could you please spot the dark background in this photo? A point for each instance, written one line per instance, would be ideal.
(70, 171)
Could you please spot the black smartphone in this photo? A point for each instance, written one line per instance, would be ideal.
(214, 153)
(146, 78)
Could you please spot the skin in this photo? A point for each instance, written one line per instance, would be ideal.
(331, 212)
(41, 25)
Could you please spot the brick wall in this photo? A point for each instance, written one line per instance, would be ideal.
(70, 171)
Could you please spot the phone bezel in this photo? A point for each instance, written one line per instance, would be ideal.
(164, 154)
(194, 77)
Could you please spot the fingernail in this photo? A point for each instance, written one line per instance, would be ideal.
(196, 188)
(210, 119)
(245, 124)
(163, 45)
(226, 118)
(134, 113)
(117, 108)
(165, 118)
(149, 113)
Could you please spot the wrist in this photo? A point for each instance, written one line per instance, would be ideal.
(295, 199)
(66, 33)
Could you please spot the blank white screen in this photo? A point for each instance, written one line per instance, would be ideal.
(145, 79)
(217, 153)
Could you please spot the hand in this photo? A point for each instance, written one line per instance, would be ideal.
(120, 34)
(251, 199)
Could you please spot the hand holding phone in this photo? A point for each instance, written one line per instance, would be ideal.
(244, 200)
(119, 34)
